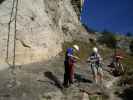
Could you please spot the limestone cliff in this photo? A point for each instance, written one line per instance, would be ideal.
(42, 26)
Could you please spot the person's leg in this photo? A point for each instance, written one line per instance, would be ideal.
(66, 77)
(122, 68)
(117, 66)
(94, 71)
(71, 74)
(65, 80)
(100, 71)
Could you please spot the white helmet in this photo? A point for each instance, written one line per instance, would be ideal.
(76, 47)
(95, 50)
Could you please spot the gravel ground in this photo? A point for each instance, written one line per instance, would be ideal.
(43, 81)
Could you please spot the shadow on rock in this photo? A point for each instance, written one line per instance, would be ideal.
(80, 78)
(127, 94)
(1, 1)
(52, 77)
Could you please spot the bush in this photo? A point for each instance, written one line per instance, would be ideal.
(129, 34)
(109, 39)
(131, 46)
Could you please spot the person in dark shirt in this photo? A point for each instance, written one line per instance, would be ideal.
(69, 62)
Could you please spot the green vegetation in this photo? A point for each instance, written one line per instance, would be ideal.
(128, 63)
(98, 97)
(129, 34)
(131, 46)
(128, 66)
(109, 39)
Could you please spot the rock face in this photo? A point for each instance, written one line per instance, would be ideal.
(42, 26)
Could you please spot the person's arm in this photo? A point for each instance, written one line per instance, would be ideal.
(99, 57)
(75, 57)
(90, 59)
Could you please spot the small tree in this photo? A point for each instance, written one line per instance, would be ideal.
(109, 39)
(129, 34)
(131, 46)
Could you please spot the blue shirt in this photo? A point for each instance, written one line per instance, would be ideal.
(69, 51)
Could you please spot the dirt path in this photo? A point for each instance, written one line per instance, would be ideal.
(43, 81)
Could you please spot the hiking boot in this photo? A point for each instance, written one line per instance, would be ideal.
(65, 85)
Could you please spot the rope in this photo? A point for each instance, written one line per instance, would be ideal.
(9, 29)
(12, 19)
(14, 10)
(15, 25)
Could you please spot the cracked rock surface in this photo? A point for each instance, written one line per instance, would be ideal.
(42, 26)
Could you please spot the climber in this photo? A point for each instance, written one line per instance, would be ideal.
(96, 65)
(69, 62)
(116, 63)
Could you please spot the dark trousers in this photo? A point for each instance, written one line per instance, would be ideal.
(68, 75)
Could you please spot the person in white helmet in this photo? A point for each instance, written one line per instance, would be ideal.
(69, 62)
(96, 66)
